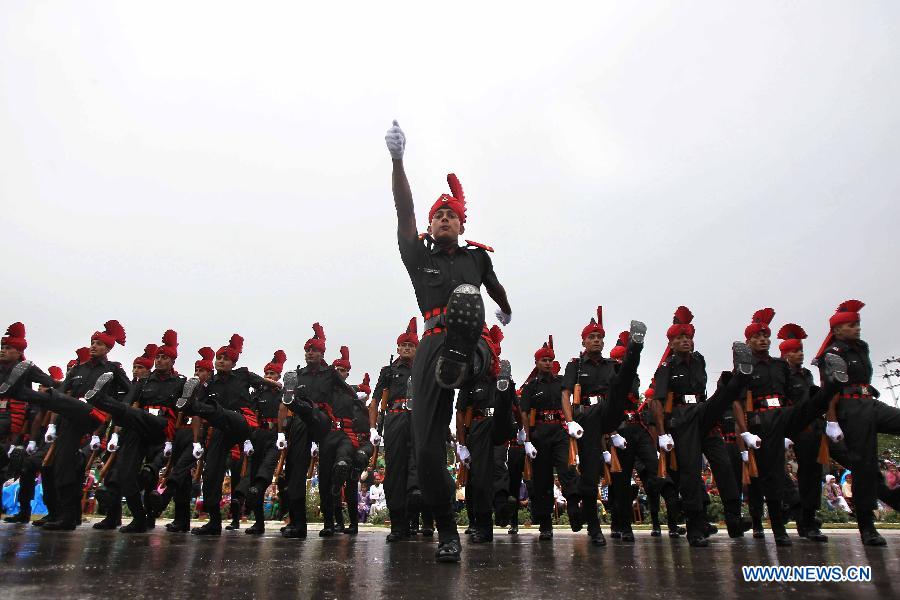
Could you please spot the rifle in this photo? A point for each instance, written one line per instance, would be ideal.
(199, 473)
(463, 473)
(385, 400)
(527, 473)
(752, 470)
(312, 467)
(673, 462)
(278, 468)
(576, 401)
(48, 457)
(824, 456)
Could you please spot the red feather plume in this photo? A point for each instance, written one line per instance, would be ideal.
(496, 334)
(850, 306)
(206, 353)
(16, 330)
(764, 316)
(318, 331)
(411, 328)
(600, 316)
(56, 373)
(791, 331)
(683, 316)
(170, 338)
(150, 351)
(456, 189)
(115, 329)
(345, 353)
(556, 367)
(366, 380)
(550, 341)
(280, 357)
(83, 354)
(236, 342)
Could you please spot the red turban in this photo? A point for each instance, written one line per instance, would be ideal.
(234, 348)
(344, 360)
(545, 351)
(277, 363)
(112, 334)
(317, 341)
(760, 323)
(455, 201)
(410, 335)
(146, 359)
(594, 325)
(169, 344)
(15, 337)
(681, 324)
(847, 312)
(206, 359)
(793, 336)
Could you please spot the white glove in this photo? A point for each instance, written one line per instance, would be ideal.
(314, 449)
(361, 395)
(745, 456)
(530, 450)
(607, 457)
(503, 317)
(752, 441)
(463, 453)
(618, 441)
(31, 448)
(95, 442)
(666, 442)
(167, 449)
(396, 141)
(51, 433)
(113, 444)
(833, 431)
(281, 441)
(373, 435)
(788, 443)
(197, 451)
(575, 430)
(248, 447)
(10, 451)
(520, 437)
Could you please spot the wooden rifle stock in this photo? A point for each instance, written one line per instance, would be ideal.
(526, 471)
(48, 457)
(200, 462)
(278, 467)
(312, 467)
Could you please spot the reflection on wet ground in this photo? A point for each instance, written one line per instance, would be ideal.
(98, 564)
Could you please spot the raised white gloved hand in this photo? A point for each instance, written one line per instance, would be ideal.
(51, 433)
(95, 442)
(788, 443)
(248, 447)
(618, 441)
(396, 141)
(31, 448)
(503, 317)
(113, 444)
(575, 430)
(463, 453)
(167, 449)
(373, 435)
(666, 442)
(280, 441)
(752, 441)
(314, 449)
(197, 452)
(520, 437)
(361, 395)
(745, 456)
(530, 450)
(607, 457)
(833, 431)
(9, 452)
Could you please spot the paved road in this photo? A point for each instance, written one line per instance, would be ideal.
(113, 566)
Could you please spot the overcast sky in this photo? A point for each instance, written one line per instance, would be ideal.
(219, 167)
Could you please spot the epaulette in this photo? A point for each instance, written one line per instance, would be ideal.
(479, 245)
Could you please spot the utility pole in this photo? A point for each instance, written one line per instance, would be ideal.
(889, 372)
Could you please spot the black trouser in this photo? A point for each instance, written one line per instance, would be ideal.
(31, 466)
(296, 466)
(431, 414)
(737, 464)
(552, 444)
(179, 482)
(597, 420)
(809, 472)
(716, 453)
(141, 431)
(640, 449)
(335, 448)
(262, 468)
(75, 421)
(841, 455)
(229, 428)
(861, 420)
(398, 461)
(690, 425)
(515, 466)
(481, 489)
(360, 461)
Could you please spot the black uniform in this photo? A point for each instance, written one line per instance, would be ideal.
(227, 407)
(861, 417)
(145, 415)
(15, 418)
(691, 423)
(604, 389)
(543, 395)
(362, 453)
(400, 477)
(264, 460)
(486, 489)
(806, 449)
(77, 418)
(435, 273)
(640, 449)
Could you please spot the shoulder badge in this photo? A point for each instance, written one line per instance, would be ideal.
(479, 245)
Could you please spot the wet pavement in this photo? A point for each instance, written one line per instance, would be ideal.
(100, 564)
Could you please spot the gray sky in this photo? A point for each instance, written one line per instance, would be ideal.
(220, 167)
